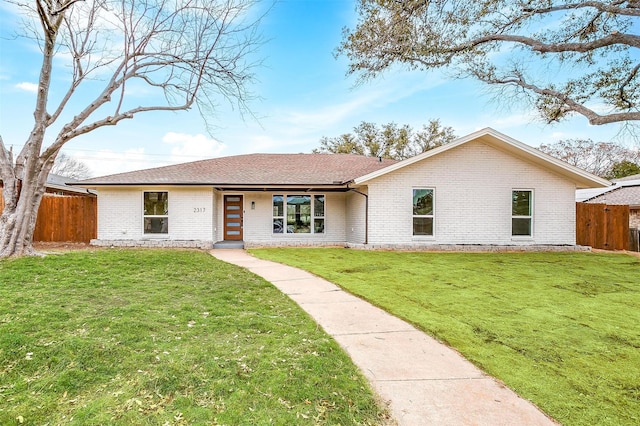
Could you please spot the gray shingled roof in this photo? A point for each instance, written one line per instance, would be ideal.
(253, 170)
(624, 195)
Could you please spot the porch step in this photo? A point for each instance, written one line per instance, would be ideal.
(229, 245)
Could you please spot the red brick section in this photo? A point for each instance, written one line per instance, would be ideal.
(254, 169)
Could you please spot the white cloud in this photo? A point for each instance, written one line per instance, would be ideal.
(28, 87)
(107, 162)
(513, 120)
(192, 147)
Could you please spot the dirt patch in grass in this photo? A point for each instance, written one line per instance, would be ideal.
(62, 246)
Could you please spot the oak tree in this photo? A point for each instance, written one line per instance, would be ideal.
(598, 158)
(185, 53)
(566, 57)
(388, 140)
(624, 168)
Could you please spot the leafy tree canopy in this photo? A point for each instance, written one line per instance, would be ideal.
(599, 158)
(623, 169)
(388, 140)
(565, 57)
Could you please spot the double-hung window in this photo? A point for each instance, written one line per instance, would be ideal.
(521, 213)
(156, 212)
(298, 214)
(423, 204)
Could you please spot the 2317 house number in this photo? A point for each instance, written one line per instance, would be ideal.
(198, 209)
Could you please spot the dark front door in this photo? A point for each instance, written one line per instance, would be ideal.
(233, 217)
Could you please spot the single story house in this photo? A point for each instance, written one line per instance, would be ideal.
(624, 191)
(483, 189)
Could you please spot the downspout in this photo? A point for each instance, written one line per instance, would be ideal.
(366, 213)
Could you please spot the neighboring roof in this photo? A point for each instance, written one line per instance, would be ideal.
(254, 170)
(624, 191)
(585, 195)
(54, 179)
(62, 183)
(622, 195)
(489, 136)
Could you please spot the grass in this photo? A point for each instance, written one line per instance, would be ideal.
(561, 329)
(152, 337)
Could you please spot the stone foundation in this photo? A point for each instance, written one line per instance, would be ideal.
(207, 245)
(199, 244)
(468, 247)
(284, 243)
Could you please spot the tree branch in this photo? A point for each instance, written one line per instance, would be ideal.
(602, 7)
(621, 93)
(572, 105)
(541, 47)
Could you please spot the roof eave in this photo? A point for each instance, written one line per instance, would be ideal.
(227, 186)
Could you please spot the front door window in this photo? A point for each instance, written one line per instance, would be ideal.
(233, 221)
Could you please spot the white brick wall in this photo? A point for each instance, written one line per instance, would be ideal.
(120, 214)
(473, 185)
(356, 213)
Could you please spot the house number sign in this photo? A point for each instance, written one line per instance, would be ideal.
(198, 209)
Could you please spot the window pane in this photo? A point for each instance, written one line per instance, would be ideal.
(521, 203)
(318, 205)
(520, 226)
(422, 226)
(277, 226)
(156, 203)
(318, 226)
(156, 225)
(278, 209)
(422, 201)
(299, 214)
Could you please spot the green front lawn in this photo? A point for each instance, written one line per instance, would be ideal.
(561, 329)
(164, 337)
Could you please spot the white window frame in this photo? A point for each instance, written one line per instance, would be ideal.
(529, 216)
(147, 216)
(431, 216)
(313, 216)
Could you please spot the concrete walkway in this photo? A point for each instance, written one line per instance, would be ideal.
(423, 381)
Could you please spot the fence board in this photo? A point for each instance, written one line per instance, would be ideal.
(602, 226)
(66, 219)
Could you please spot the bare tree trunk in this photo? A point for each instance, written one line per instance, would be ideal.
(22, 201)
(17, 225)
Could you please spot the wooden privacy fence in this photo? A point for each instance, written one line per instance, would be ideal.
(65, 218)
(602, 226)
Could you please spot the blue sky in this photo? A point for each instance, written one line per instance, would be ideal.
(304, 92)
